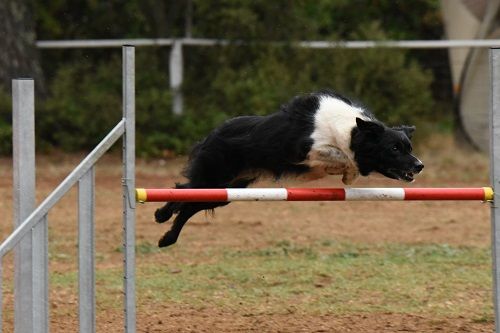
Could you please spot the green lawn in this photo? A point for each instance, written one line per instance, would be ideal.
(327, 276)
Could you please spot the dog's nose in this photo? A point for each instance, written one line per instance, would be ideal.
(419, 166)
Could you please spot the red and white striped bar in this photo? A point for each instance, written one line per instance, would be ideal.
(313, 194)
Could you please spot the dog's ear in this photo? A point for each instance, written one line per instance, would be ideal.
(408, 130)
(369, 126)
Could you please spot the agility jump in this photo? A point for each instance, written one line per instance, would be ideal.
(313, 194)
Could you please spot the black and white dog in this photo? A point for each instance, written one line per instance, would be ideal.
(310, 137)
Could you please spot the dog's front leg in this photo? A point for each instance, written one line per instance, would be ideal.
(330, 154)
(337, 157)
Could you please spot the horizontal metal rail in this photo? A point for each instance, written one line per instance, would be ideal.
(37, 215)
(98, 43)
(402, 44)
(318, 44)
(313, 194)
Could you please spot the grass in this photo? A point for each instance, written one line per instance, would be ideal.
(326, 276)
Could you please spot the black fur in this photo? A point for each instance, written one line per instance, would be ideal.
(235, 153)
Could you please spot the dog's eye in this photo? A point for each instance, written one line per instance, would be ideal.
(395, 148)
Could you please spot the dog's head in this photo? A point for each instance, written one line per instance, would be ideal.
(378, 148)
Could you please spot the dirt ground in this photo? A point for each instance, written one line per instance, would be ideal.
(254, 225)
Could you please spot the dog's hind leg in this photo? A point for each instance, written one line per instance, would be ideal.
(164, 213)
(186, 211)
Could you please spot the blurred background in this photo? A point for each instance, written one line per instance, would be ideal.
(215, 59)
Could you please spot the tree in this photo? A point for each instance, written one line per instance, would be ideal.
(18, 55)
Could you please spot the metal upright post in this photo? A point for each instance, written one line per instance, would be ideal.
(495, 179)
(176, 73)
(86, 253)
(31, 311)
(128, 182)
(41, 276)
(23, 139)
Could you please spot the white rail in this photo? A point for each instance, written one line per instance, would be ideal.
(313, 44)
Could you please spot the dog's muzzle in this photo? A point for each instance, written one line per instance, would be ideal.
(409, 175)
(406, 175)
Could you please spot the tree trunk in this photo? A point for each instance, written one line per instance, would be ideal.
(18, 53)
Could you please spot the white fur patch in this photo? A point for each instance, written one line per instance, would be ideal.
(333, 124)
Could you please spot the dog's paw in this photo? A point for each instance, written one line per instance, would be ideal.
(346, 180)
(168, 239)
(162, 215)
(349, 178)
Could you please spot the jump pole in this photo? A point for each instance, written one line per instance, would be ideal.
(313, 194)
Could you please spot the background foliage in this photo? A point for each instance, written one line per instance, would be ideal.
(84, 85)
